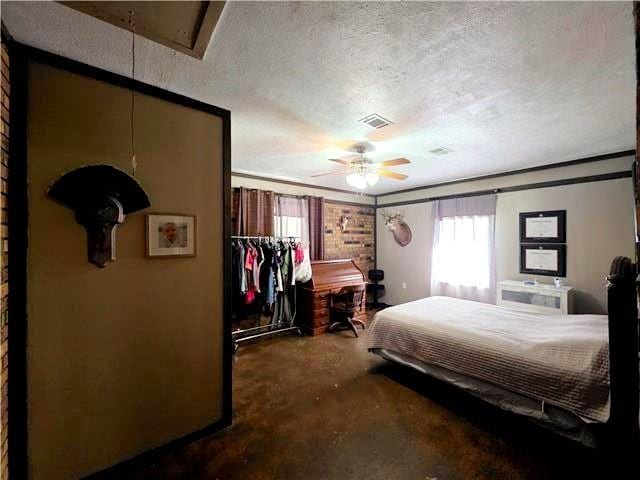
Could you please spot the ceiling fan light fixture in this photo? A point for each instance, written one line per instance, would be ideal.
(363, 172)
(372, 177)
(360, 182)
(352, 179)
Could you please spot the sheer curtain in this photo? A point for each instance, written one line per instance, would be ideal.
(463, 259)
(291, 218)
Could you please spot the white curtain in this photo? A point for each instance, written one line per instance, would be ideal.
(463, 258)
(291, 218)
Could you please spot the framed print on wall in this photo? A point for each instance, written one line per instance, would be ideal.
(541, 259)
(543, 227)
(171, 235)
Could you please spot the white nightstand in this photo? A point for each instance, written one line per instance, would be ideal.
(540, 298)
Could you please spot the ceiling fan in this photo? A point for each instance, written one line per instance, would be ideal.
(363, 171)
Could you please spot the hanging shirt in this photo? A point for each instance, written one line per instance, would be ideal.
(240, 266)
(257, 260)
(259, 269)
(303, 271)
(250, 261)
(286, 266)
(292, 271)
(277, 260)
(267, 276)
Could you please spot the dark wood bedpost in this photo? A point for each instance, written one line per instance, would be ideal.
(623, 354)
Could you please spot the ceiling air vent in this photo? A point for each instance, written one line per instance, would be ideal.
(440, 151)
(375, 121)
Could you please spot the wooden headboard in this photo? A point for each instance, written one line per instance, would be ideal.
(623, 352)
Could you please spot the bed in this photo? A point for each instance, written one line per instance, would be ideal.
(557, 370)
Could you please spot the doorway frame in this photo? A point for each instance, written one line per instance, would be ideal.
(20, 57)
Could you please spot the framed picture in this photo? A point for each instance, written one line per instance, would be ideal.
(171, 235)
(543, 259)
(543, 227)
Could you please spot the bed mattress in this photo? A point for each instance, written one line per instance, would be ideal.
(562, 360)
(546, 415)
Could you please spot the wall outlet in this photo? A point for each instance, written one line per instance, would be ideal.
(404, 285)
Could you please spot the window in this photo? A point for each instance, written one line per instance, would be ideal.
(461, 257)
(462, 263)
(285, 226)
(291, 217)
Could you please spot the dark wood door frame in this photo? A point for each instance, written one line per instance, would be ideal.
(21, 56)
(636, 166)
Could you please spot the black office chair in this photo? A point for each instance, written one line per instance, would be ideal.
(374, 287)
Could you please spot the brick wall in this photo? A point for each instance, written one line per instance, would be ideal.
(4, 252)
(357, 241)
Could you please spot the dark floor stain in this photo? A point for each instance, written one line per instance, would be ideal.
(324, 408)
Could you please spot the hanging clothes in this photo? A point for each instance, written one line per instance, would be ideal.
(237, 269)
(267, 275)
(264, 279)
(278, 262)
(257, 266)
(303, 269)
(250, 262)
(243, 276)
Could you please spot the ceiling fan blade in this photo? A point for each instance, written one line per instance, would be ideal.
(344, 162)
(328, 173)
(395, 161)
(389, 174)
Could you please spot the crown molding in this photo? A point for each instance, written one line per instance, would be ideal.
(578, 161)
(298, 184)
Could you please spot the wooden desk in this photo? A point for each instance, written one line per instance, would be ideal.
(329, 276)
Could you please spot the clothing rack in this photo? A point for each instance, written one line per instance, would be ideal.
(262, 237)
(275, 329)
(239, 336)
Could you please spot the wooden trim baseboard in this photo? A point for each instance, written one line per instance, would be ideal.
(130, 465)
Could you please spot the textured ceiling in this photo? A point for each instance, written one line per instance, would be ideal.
(502, 85)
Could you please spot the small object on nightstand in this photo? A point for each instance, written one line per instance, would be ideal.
(532, 283)
(557, 282)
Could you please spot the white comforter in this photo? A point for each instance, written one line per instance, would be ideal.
(562, 360)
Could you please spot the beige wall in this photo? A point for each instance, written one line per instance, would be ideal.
(599, 227)
(126, 358)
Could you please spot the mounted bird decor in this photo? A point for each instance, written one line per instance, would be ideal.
(395, 224)
(100, 196)
(344, 221)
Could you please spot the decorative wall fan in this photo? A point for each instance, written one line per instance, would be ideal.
(363, 171)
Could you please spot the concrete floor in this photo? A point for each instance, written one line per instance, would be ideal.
(324, 408)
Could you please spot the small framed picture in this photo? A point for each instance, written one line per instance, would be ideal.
(171, 235)
(543, 227)
(542, 259)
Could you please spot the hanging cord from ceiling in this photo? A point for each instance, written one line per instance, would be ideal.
(132, 26)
